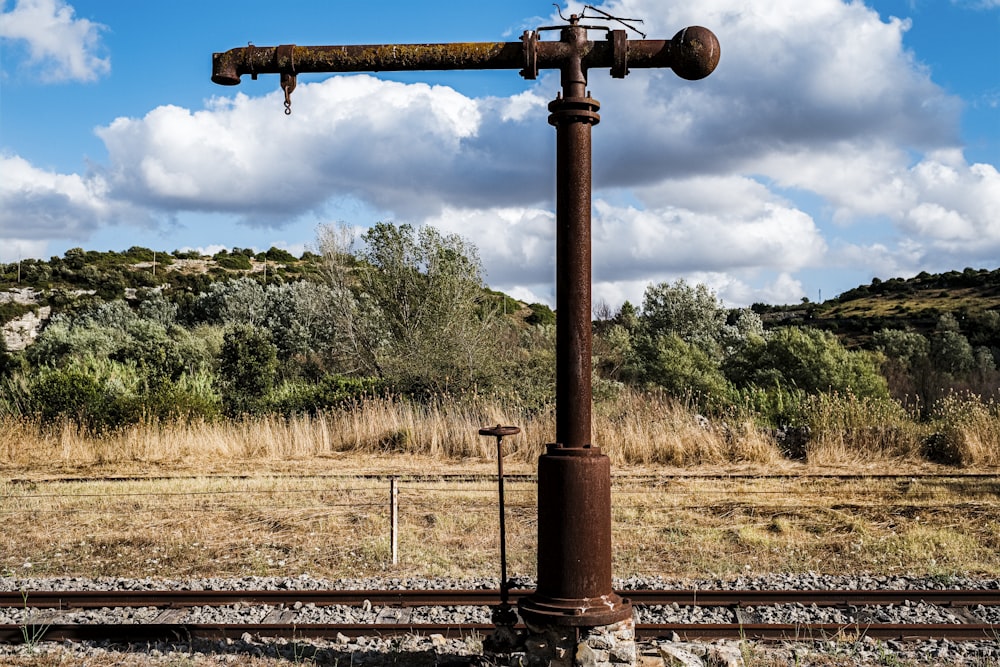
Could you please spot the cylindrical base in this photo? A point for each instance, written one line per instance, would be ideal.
(574, 542)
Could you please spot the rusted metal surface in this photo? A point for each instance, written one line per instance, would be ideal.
(574, 542)
(446, 597)
(574, 478)
(499, 432)
(693, 54)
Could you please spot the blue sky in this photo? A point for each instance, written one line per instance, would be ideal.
(836, 142)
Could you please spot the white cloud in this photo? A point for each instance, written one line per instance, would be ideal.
(398, 147)
(817, 114)
(38, 204)
(14, 249)
(61, 46)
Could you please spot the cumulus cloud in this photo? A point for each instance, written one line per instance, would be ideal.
(61, 46)
(36, 205)
(405, 148)
(817, 120)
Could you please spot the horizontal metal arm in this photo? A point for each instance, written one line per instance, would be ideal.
(692, 54)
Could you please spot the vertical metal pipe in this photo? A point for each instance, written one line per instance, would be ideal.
(573, 344)
(574, 477)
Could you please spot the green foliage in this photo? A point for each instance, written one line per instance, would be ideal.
(682, 368)
(139, 254)
(776, 406)
(233, 262)
(8, 363)
(908, 347)
(248, 367)
(540, 315)
(332, 391)
(11, 310)
(694, 314)
(807, 359)
(239, 300)
(300, 320)
(96, 394)
(409, 308)
(278, 255)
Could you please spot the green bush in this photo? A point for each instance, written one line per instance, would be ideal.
(332, 391)
(99, 401)
(540, 314)
(807, 359)
(683, 369)
(248, 367)
(234, 262)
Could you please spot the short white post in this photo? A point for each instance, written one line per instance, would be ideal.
(394, 519)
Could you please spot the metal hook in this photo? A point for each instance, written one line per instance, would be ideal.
(288, 85)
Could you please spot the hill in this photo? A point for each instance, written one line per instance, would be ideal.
(913, 304)
(31, 290)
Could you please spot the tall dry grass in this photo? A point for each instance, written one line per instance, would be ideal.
(967, 431)
(632, 428)
(846, 429)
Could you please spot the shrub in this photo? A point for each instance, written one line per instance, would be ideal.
(966, 431)
(234, 262)
(808, 359)
(332, 391)
(540, 314)
(97, 397)
(248, 366)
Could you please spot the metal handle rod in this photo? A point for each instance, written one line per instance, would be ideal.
(504, 586)
(499, 432)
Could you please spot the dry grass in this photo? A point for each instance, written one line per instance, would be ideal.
(633, 429)
(289, 515)
(705, 523)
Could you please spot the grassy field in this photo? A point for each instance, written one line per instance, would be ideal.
(715, 522)
(283, 497)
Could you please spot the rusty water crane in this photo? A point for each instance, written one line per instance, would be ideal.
(574, 478)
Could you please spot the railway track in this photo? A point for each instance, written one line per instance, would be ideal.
(47, 607)
(477, 597)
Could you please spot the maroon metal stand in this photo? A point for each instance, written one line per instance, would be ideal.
(574, 477)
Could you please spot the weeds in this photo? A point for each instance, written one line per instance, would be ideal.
(31, 634)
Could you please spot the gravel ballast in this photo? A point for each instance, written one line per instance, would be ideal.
(439, 650)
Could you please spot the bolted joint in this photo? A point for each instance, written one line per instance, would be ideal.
(574, 110)
(529, 44)
(619, 53)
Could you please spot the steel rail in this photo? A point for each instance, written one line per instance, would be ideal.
(480, 597)
(806, 632)
(520, 477)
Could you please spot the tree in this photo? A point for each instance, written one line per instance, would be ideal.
(808, 359)
(683, 369)
(299, 319)
(908, 347)
(693, 313)
(409, 307)
(230, 302)
(248, 366)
